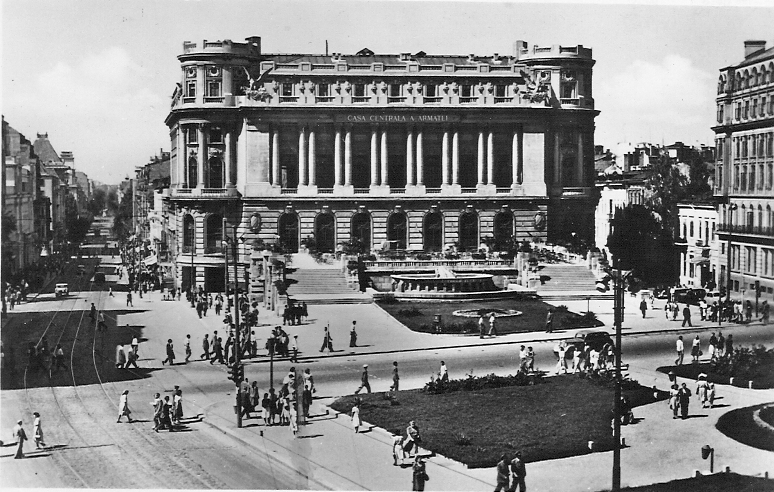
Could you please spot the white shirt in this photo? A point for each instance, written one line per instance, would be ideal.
(444, 372)
(680, 346)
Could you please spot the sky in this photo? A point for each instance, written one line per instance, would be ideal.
(97, 75)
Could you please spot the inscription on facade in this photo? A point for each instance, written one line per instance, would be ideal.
(397, 118)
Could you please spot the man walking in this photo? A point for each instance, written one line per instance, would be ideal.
(481, 326)
(294, 349)
(550, 320)
(395, 377)
(492, 329)
(129, 299)
(158, 407)
(519, 472)
(643, 307)
(187, 348)
(364, 380)
(59, 358)
(327, 340)
(503, 477)
(680, 351)
(684, 399)
(687, 315)
(205, 348)
(170, 354)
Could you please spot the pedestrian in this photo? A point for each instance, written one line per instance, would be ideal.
(123, 407)
(177, 404)
(135, 345)
(523, 359)
(519, 472)
(412, 440)
(59, 358)
(503, 475)
(356, 416)
(294, 349)
(550, 320)
(765, 312)
(730, 345)
(481, 328)
(674, 402)
(561, 352)
(353, 335)
(120, 357)
(101, 324)
(684, 399)
(687, 315)
(166, 415)
(205, 347)
(20, 436)
(129, 299)
(37, 431)
(492, 328)
(443, 374)
(93, 312)
(158, 407)
(530, 359)
(711, 394)
(675, 310)
(187, 348)
(643, 307)
(327, 340)
(701, 390)
(419, 474)
(696, 350)
(218, 351)
(721, 346)
(131, 359)
(395, 377)
(304, 310)
(170, 354)
(364, 380)
(266, 405)
(748, 310)
(667, 309)
(712, 347)
(680, 351)
(293, 418)
(397, 449)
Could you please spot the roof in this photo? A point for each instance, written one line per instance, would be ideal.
(46, 152)
(758, 57)
(366, 57)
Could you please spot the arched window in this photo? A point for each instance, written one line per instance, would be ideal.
(215, 172)
(397, 230)
(189, 230)
(468, 231)
(746, 79)
(213, 230)
(770, 220)
(433, 231)
(503, 231)
(287, 229)
(738, 85)
(754, 77)
(325, 232)
(192, 172)
(361, 230)
(760, 216)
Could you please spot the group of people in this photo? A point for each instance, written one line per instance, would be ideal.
(296, 391)
(167, 415)
(20, 435)
(717, 347)
(41, 358)
(293, 313)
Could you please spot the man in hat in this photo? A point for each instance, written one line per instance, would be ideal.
(364, 380)
(519, 472)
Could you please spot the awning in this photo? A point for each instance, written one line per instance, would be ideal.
(151, 260)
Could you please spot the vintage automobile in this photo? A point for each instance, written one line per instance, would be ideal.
(61, 290)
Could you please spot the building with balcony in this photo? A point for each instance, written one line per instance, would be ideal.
(744, 173)
(401, 151)
(697, 244)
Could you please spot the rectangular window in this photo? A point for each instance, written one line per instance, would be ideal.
(738, 112)
(288, 89)
(734, 257)
(500, 91)
(193, 135)
(216, 135)
(359, 90)
(213, 88)
(396, 90)
(750, 252)
(190, 88)
(746, 109)
(763, 106)
(466, 90)
(754, 147)
(430, 90)
(323, 90)
(755, 108)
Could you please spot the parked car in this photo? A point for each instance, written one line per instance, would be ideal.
(81, 269)
(713, 296)
(688, 296)
(61, 290)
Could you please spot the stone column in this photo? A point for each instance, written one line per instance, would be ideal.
(480, 161)
(202, 156)
(374, 157)
(200, 78)
(275, 162)
(312, 161)
(229, 157)
(348, 157)
(302, 157)
(445, 158)
(517, 173)
(490, 159)
(384, 159)
(579, 170)
(410, 158)
(420, 159)
(337, 157)
(456, 157)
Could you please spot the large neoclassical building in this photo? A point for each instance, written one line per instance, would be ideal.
(406, 151)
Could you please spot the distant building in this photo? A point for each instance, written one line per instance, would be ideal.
(616, 191)
(697, 244)
(744, 173)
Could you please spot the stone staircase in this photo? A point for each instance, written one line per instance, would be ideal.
(569, 282)
(322, 286)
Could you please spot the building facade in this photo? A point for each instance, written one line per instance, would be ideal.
(698, 244)
(615, 192)
(404, 151)
(744, 173)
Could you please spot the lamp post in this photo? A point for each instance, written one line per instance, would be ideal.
(237, 348)
(618, 312)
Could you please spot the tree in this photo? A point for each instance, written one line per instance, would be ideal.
(98, 202)
(122, 222)
(640, 242)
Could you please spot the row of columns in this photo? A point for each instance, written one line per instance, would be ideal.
(202, 156)
(450, 165)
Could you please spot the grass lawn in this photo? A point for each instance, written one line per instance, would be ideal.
(762, 376)
(418, 316)
(554, 419)
(739, 425)
(719, 482)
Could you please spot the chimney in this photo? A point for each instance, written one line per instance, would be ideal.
(518, 47)
(753, 46)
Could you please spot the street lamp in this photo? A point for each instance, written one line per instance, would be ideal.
(619, 283)
(729, 222)
(237, 348)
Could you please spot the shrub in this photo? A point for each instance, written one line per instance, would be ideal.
(562, 308)
(461, 439)
(388, 299)
(410, 312)
(475, 383)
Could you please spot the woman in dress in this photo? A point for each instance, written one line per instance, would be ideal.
(673, 401)
(293, 416)
(20, 436)
(356, 416)
(178, 405)
(37, 431)
(123, 407)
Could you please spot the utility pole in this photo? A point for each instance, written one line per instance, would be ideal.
(237, 348)
(618, 310)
